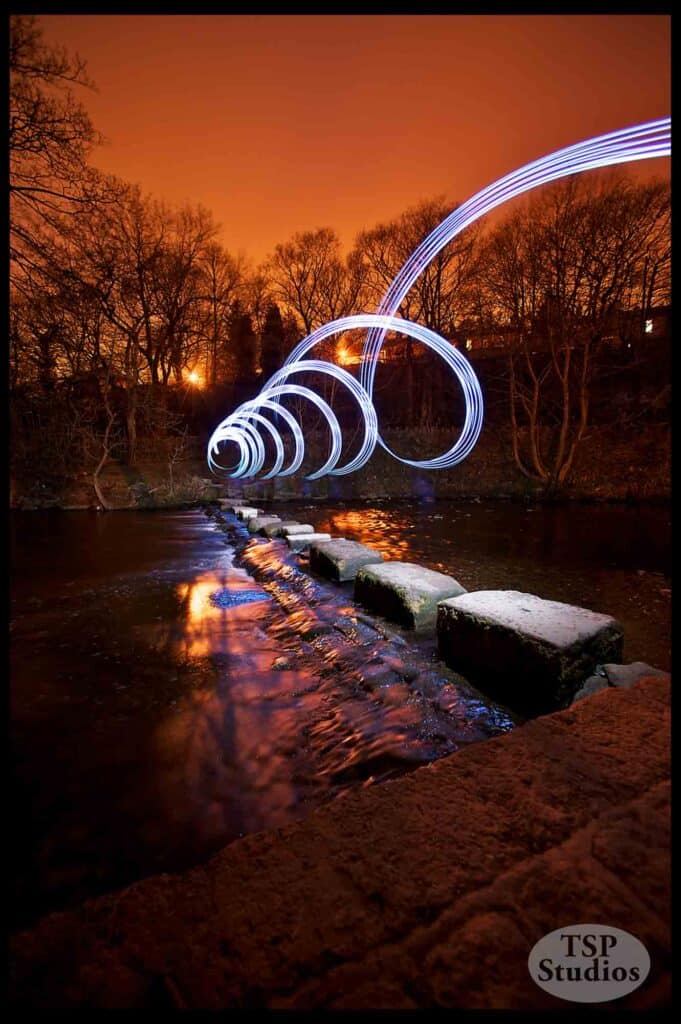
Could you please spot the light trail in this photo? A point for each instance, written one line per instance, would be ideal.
(640, 142)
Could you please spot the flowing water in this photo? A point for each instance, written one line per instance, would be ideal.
(172, 690)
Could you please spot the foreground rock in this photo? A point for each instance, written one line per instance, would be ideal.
(425, 892)
(404, 592)
(534, 654)
(256, 523)
(341, 560)
(302, 541)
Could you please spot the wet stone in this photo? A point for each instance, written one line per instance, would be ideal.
(340, 560)
(531, 653)
(291, 529)
(256, 523)
(404, 592)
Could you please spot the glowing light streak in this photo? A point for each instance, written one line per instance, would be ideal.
(640, 142)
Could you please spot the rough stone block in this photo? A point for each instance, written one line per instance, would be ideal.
(256, 523)
(340, 560)
(404, 592)
(302, 541)
(530, 653)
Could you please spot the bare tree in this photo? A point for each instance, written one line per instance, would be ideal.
(222, 278)
(561, 275)
(51, 137)
(310, 278)
(443, 296)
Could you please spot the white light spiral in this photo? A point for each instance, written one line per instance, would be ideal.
(640, 142)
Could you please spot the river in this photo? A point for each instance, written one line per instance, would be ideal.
(163, 703)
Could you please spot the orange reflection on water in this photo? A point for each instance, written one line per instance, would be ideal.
(373, 526)
(225, 757)
(208, 628)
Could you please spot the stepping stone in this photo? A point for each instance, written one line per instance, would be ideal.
(404, 592)
(340, 560)
(533, 654)
(256, 523)
(302, 541)
(246, 513)
(290, 529)
(274, 529)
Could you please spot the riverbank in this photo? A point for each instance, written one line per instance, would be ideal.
(609, 466)
(427, 891)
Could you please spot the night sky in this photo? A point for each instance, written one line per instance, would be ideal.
(280, 124)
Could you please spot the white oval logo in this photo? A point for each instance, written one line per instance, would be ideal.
(589, 963)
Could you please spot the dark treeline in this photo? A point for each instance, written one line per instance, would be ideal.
(122, 306)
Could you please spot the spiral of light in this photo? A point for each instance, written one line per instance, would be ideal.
(652, 139)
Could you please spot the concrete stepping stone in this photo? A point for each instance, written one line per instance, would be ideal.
(302, 541)
(533, 653)
(246, 513)
(340, 560)
(404, 592)
(256, 523)
(274, 529)
(290, 529)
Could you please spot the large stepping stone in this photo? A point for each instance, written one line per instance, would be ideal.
(340, 560)
(404, 592)
(274, 529)
(256, 523)
(302, 541)
(531, 653)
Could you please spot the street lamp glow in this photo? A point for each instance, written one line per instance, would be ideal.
(194, 378)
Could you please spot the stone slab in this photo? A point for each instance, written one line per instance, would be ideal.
(256, 523)
(532, 654)
(302, 541)
(340, 560)
(404, 592)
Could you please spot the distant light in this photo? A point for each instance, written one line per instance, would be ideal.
(194, 378)
(343, 356)
(649, 326)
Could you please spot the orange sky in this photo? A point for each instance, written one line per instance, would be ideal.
(284, 123)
